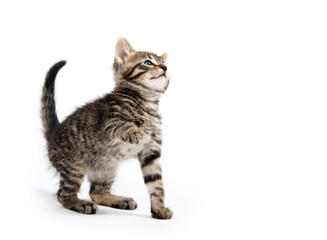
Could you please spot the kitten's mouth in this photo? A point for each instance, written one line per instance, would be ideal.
(157, 77)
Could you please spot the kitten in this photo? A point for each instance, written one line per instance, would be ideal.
(123, 124)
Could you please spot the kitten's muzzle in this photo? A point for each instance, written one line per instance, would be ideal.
(160, 73)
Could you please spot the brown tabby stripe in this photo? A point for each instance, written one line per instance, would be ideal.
(148, 160)
(159, 189)
(136, 76)
(152, 178)
(101, 184)
(67, 190)
(132, 93)
(144, 110)
(68, 170)
(127, 93)
(143, 67)
(68, 180)
(125, 96)
(128, 74)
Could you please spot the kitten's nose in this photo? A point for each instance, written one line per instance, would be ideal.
(163, 67)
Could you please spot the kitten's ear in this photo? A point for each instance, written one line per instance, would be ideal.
(164, 57)
(123, 50)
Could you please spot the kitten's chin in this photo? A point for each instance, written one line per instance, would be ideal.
(158, 83)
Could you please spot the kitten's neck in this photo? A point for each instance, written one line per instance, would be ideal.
(144, 93)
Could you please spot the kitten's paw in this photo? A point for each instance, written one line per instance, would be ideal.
(114, 201)
(133, 136)
(162, 213)
(125, 203)
(84, 207)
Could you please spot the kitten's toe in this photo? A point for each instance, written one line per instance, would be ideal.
(133, 138)
(85, 207)
(162, 213)
(136, 137)
(139, 137)
(127, 204)
(130, 137)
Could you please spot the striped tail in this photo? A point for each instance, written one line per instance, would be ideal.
(48, 105)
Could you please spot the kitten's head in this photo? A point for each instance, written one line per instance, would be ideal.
(145, 69)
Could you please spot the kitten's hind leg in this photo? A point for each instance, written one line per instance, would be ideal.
(100, 194)
(67, 194)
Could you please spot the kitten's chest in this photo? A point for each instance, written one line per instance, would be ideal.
(151, 122)
(118, 151)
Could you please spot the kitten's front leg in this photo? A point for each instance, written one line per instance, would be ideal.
(129, 132)
(152, 178)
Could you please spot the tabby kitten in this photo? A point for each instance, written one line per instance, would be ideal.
(123, 124)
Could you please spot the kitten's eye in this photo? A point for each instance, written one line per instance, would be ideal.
(148, 63)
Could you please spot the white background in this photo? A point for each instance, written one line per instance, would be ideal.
(245, 122)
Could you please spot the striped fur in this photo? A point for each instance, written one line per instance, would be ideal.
(123, 124)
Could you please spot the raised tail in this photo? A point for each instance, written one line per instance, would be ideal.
(48, 105)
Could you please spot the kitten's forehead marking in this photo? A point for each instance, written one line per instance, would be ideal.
(143, 56)
(152, 57)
